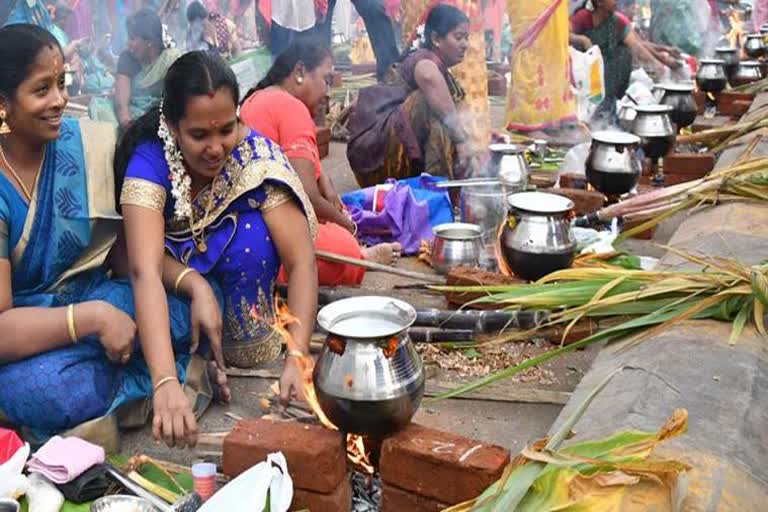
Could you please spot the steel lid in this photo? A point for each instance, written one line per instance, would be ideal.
(540, 202)
(750, 64)
(676, 87)
(366, 317)
(615, 137)
(507, 149)
(716, 62)
(654, 109)
(458, 231)
(725, 49)
(754, 36)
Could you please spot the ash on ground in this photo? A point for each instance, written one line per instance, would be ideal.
(484, 361)
(366, 492)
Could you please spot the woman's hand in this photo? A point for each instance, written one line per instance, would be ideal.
(205, 317)
(466, 161)
(328, 192)
(115, 329)
(582, 41)
(173, 420)
(293, 378)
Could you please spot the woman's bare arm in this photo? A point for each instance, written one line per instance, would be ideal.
(123, 99)
(324, 210)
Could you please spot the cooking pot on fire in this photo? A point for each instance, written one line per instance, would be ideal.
(679, 96)
(754, 46)
(537, 238)
(612, 166)
(730, 58)
(654, 127)
(749, 71)
(711, 76)
(508, 164)
(368, 378)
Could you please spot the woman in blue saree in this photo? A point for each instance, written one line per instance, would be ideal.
(68, 352)
(224, 201)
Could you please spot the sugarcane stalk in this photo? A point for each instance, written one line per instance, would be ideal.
(481, 321)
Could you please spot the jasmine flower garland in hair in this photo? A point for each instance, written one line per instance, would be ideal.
(181, 183)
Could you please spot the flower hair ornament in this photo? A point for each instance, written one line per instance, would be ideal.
(181, 183)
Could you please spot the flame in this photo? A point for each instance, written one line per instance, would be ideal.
(356, 453)
(283, 319)
(736, 35)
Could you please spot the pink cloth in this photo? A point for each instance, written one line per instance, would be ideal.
(62, 460)
(759, 13)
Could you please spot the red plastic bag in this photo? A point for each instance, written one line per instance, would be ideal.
(9, 444)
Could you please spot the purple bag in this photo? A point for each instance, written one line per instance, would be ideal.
(392, 213)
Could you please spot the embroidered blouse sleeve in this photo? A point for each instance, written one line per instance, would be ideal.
(146, 179)
(274, 196)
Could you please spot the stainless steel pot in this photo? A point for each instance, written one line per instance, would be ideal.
(711, 76)
(754, 46)
(537, 239)
(654, 127)
(486, 207)
(369, 378)
(627, 115)
(508, 164)
(749, 71)
(730, 58)
(612, 166)
(679, 96)
(456, 244)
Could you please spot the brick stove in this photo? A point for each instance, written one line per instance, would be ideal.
(420, 469)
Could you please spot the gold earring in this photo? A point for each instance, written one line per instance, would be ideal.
(4, 128)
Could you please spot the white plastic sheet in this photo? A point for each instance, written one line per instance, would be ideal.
(249, 491)
(13, 483)
(588, 81)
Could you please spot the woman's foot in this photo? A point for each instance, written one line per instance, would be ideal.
(385, 254)
(221, 391)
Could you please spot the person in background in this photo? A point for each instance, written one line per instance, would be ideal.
(68, 353)
(223, 201)
(140, 71)
(211, 31)
(598, 23)
(379, 27)
(411, 123)
(281, 107)
(289, 19)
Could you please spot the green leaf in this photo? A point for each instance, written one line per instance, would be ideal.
(471, 353)
(740, 322)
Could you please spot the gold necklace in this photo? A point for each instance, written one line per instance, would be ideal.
(15, 175)
(198, 237)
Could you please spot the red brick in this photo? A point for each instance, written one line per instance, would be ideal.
(339, 500)
(440, 465)
(316, 456)
(394, 499)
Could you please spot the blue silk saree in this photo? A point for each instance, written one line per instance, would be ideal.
(57, 246)
(227, 239)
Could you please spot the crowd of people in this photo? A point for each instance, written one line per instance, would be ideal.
(158, 228)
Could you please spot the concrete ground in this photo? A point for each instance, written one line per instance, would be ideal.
(505, 423)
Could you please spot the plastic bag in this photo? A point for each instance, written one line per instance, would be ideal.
(588, 81)
(13, 483)
(250, 490)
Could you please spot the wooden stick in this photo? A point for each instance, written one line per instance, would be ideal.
(338, 258)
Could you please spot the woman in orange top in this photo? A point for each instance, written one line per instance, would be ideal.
(280, 107)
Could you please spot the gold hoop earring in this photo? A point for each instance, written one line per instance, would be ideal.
(4, 128)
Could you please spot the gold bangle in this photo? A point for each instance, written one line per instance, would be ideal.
(181, 276)
(296, 353)
(163, 381)
(71, 323)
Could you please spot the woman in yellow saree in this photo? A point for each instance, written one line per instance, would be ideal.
(540, 95)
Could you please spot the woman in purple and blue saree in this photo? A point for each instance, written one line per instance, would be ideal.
(223, 201)
(68, 353)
